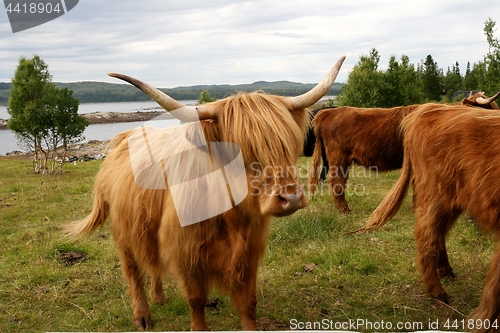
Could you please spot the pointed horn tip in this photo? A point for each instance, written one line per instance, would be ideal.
(139, 84)
(340, 61)
(118, 75)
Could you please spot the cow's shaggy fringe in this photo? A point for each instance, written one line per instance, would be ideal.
(269, 114)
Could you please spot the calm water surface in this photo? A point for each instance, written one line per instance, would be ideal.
(8, 141)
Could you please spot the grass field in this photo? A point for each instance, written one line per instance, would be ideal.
(312, 272)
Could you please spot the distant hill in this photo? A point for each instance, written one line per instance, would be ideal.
(4, 93)
(101, 92)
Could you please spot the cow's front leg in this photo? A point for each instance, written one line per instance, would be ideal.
(196, 288)
(156, 290)
(244, 298)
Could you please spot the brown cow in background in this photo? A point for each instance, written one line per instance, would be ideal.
(346, 135)
(222, 251)
(369, 137)
(452, 158)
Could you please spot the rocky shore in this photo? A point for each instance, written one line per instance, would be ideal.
(92, 150)
(96, 149)
(110, 117)
(121, 117)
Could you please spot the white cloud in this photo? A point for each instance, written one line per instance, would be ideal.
(191, 42)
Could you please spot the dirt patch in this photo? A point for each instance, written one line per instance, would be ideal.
(72, 258)
(266, 324)
(214, 303)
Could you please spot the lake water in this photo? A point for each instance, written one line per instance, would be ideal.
(8, 141)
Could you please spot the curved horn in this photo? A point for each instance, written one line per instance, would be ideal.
(312, 96)
(484, 101)
(177, 109)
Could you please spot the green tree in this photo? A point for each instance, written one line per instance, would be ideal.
(431, 79)
(402, 83)
(453, 81)
(28, 104)
(205, 98)
(365, 85)
(67, 125)
(43, 116)
(470, 79)
(488, 70)
(393, 79)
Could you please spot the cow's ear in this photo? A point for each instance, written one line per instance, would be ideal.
(208, 111)
(312, 96)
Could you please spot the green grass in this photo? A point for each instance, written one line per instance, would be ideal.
(371, 277)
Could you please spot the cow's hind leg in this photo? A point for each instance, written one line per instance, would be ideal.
(444, 268)
(488, 312)
(432, 226)
(135, 277)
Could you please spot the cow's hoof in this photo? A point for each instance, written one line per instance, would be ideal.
(158, 298)
(441, 300)
(446, 273)
(144, 323)
(345, 210)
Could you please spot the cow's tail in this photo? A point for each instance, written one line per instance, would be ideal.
(392, 201)
(100, 209)
(89, 224)
(314, 171)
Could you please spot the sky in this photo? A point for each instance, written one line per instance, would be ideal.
(189, 42)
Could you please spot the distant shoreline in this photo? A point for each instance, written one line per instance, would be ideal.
(113, 117)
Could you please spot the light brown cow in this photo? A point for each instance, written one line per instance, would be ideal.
(369, 137)
(452, 158)
(222, 251)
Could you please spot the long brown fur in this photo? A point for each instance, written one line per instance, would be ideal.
(369, 137)
(223, 251)
(452, 157)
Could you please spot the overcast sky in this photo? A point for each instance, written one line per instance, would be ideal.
(187, 42)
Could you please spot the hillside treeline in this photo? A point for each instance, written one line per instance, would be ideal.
(102, 92)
